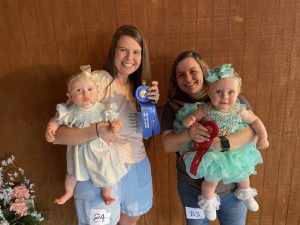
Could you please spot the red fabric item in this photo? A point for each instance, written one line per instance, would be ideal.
(202, 147)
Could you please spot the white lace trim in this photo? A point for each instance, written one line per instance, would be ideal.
(111, 113)
(212, 204)
(244, 194)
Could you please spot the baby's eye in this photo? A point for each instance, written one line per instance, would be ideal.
(78, 90)
(231, 92)
(218, 91)
(90, 89)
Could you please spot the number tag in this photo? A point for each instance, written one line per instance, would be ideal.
(194, 213)
(99, 217)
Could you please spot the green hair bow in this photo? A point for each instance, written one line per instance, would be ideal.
(219, 73)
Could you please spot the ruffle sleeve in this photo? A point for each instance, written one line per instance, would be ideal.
(111, 113)
(240, 107)
(185, 111)
(62, 114)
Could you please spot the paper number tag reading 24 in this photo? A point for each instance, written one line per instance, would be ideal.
(194, 213)
(99, 217)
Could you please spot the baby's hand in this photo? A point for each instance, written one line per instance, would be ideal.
(262, 143)
(50, 135)
(116, 126)
(189, 121)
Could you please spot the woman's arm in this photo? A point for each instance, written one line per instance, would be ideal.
(75, 136)
(237, 139)
(173, 142)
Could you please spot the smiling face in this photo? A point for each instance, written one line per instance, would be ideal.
(83, 92)
(128, 56)
(224, 93)
(189, 77)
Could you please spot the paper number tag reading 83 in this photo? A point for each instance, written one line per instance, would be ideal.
(99, 217)
(194, 213)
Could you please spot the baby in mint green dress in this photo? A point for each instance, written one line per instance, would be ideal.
(233, 166)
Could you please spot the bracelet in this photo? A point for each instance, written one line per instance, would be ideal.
(97, 130)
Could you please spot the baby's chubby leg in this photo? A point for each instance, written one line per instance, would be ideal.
(209, 201)
(246, 194)
(70, 183)
(208, 189)
(245, 184)
(106, 195)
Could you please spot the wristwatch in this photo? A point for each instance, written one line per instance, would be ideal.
(225, 144)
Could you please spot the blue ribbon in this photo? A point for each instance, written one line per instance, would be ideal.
(150, 121)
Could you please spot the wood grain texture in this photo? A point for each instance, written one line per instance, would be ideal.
(205, 29)
(160, 161)
(172, 49)
(42, 42)
(220, 26)
(293, 202)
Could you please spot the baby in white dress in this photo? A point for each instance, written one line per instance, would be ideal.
(96, 160)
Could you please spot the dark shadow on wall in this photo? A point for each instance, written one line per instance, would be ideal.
(28, 100)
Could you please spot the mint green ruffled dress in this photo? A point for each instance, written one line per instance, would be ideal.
(228, 167)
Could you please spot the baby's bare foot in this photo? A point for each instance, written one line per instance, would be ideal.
(62, 199)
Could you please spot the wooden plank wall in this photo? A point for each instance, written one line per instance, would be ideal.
(42, 42)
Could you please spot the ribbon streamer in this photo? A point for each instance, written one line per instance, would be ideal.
(148, 111)
(202, 148)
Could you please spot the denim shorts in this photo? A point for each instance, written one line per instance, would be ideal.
(232, 211)
(133, 194)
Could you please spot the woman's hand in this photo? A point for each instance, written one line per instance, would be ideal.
(106, 133)
(153, 92)
(116, 126)
(198, 132)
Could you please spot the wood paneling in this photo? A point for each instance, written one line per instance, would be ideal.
(42, 42)
(172, 49)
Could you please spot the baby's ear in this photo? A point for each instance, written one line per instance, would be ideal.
(68, 94)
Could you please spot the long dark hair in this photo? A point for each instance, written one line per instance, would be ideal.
(144, 71)
(176, 96)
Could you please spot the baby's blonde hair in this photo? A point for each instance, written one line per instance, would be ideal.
(238, 78)
(85, 73)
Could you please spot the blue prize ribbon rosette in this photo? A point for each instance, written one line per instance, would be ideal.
(150, 121)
